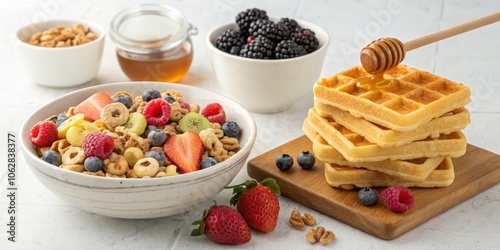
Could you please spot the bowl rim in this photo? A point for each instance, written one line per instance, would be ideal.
(315, 28)
(132, 182)
(18, 37)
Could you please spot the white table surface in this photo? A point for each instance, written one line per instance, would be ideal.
(46, 222)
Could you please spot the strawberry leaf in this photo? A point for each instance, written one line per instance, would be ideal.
(237, 189)
(271, 183)
(201, 223)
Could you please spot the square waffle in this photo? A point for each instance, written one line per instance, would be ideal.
(411, 98)
(356, 148)
(454, 120)
(350, 178)
(415, 170)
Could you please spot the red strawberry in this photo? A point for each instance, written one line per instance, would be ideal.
(214, 112)
(258, 203)
(91, 107)
(185, 151)
(43, 134)
(223, 225)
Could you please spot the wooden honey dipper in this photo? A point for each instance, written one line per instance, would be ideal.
(385, 53)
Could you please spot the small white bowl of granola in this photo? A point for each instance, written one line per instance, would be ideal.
(131, 194)
(60, 53)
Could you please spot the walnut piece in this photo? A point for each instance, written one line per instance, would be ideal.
(296, 220)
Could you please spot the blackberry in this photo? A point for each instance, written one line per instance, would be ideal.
(306, 38)
(245, 18)
(260, 48)
(276, 32)
(229, 40)
(291, 24)
(288, 49)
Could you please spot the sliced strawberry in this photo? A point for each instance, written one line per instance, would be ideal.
(91, 107)
(214, 112)
(185, 151)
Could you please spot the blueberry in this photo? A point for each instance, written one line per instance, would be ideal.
(54, 120)
(207, 162)
(157, 137)
(284, 162)
(61, 118)
(150, 128)
(157, 155)
(231, 129)
(306, 160)
(52, 157)
(368, 196)
(170, 99)
(125, 99)
(150, 94)
(93, 164)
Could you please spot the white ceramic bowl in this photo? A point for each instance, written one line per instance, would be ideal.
(139, 198)
(267, 86)
(60, 67)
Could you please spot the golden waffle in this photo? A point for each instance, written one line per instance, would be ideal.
(356, 148)
(416, 170)
(412, 97)
(454, 120)
(350, 178)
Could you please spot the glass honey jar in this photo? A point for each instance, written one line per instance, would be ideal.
(153, 42)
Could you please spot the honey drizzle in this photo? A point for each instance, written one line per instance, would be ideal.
(373, 82)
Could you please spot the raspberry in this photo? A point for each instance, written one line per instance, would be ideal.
(43, 134)
(398, 198)
(214, 112)
(157, 112)
(185, 106)
(98, 144)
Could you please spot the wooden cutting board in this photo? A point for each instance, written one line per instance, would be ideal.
(475, 171)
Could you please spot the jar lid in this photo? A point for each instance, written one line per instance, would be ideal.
(147, 28)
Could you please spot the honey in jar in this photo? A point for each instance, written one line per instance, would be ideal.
(153, 42)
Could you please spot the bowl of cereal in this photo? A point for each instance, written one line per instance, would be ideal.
(153, 149)
(60, 53)
(268, 64)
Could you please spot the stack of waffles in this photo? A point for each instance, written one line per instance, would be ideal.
(402, 132)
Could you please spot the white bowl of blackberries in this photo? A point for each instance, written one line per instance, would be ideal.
(267, 63)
